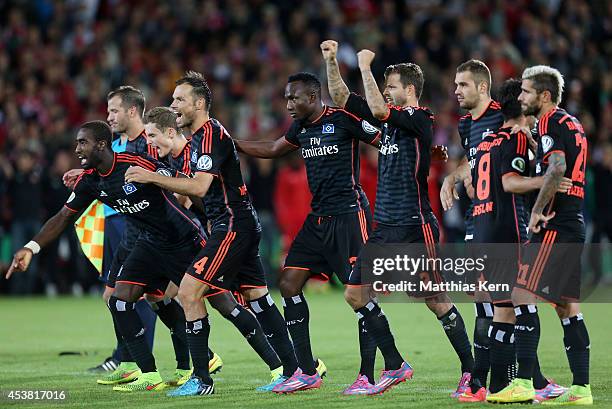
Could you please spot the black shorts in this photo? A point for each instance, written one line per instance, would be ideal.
(121, 254)
(330, 244)
(154, 264)
(499, 277)
(428, 233)
(552, 265)
(229, 262)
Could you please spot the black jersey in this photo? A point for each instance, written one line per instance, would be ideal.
(499, 216)
(227, 203)
(139, 146)
(403, 162)
(560, 132)
(182, 161)
(471, 132)
(330, 148)
(149, 207)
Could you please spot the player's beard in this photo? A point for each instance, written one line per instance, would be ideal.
(532, 109)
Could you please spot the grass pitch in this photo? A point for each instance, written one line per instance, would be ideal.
(35, 330)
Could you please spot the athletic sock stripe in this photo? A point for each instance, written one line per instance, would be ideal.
(543, 264)
(229, 237)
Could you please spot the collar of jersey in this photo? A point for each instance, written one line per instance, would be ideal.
(112, 167)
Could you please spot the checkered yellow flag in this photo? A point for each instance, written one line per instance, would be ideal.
(90, 230)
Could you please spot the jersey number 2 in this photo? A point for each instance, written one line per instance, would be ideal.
(580, 164)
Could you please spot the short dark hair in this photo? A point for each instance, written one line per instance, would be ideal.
(199, 85)
(308, 79)
(100, 131)
(130, 97)
(479, 71)
(508, 98)
(410, 74)
(162, 117)
(545, 78)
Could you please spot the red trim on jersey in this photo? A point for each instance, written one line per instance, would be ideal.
(85, 172)
(543, 123)
(131, 282)
(563, 118)
(494, 105)
(112, 167)
(320, 116)
(72, 210)
(355, 117)
(134, 159)
(296, 268)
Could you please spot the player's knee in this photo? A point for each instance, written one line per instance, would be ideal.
(130, 293)
(567, 310)
(355, 297)
(288, 287)
(504, 312)
(152, 299)
(224, 303)
(439, 304)
(107, 294)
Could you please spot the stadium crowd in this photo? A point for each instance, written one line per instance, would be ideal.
(58, 60)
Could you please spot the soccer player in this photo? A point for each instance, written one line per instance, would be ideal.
(339, 224)
(171, 237)
(403, 212)
(556, 217)
(500, 179)
(230, 258)
(175, 149)
(473, 92)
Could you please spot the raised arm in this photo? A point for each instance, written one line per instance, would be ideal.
(376, 102)
(265, 149)
(50, 231)
(338, 91)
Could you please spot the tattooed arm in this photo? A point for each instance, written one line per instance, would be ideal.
(552, 180)
(376, 102)
(338, 91)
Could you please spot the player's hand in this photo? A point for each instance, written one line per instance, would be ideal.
(70, 177)
(21, 261)
(565, 185)
(136, 174)
(448, 193)
(538, 220)
(365, 58)
(439, 153)
(469, 189)
(329, 48)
